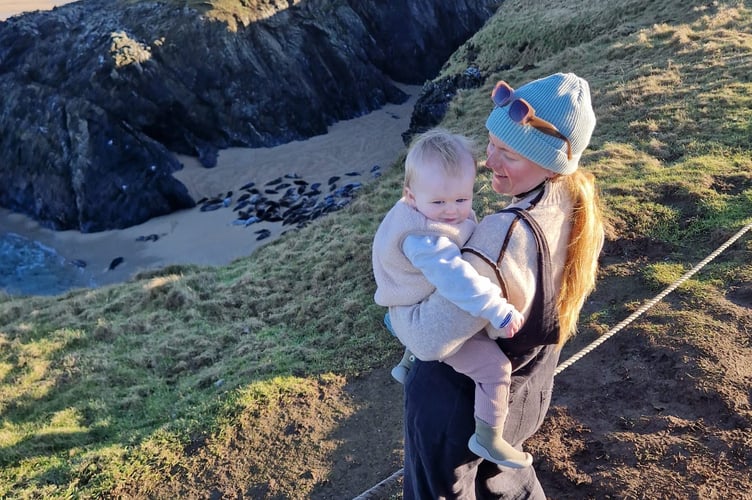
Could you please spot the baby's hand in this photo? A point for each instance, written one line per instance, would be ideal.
(510, 328)
(515, 323)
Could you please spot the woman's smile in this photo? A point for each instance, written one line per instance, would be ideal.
(512, 173)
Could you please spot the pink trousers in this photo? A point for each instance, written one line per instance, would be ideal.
(481, 359)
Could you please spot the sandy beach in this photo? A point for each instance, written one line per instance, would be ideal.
(210, 238)
(12, 7)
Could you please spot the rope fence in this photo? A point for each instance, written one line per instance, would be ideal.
(381, 487)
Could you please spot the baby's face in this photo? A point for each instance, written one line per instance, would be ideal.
(443, 198)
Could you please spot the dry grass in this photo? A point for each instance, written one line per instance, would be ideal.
(99, 385)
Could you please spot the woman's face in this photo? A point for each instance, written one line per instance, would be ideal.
(513, 174)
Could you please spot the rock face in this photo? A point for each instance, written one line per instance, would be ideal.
(434, 100)
(98, 94)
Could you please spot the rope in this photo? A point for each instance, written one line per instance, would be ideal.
(386, 483)
(576, 357)
(380, 487)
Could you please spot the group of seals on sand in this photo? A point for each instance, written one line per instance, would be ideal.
(288, 199)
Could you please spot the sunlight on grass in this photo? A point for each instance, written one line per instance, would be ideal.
(236, 13)
(66, 421)
(161, 281)
(103, 386)
(661, 275)
(10, 434)
(5, 369)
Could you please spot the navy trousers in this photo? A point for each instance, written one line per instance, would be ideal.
(439, 421)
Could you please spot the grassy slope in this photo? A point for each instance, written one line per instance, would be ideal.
(99, 385)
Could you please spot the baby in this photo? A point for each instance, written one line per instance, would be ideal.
(416, 250)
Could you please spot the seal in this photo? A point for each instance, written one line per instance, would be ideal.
(115, 262)
(263, 233)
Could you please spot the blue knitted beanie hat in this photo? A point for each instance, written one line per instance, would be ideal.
(562, 99)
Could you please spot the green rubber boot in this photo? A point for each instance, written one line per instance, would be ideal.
(487, 443)
(399, 372)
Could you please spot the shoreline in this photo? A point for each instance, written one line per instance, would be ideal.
(209, 238)
(10, 8)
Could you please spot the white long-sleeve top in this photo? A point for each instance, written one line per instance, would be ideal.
(440, 261)
(413, 257)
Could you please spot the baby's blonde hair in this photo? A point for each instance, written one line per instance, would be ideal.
(441, 149)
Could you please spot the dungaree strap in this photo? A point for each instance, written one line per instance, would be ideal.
(542, 325)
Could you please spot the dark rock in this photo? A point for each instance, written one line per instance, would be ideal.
(434, 99)
(414, 38)
(98, 96)
(207, 155)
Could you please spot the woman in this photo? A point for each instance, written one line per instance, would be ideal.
(542, 251)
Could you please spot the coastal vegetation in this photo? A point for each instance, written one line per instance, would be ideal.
(200, 382)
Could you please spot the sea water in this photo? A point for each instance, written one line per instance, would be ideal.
(28, 267)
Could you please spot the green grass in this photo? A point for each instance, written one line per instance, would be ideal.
(101, 385)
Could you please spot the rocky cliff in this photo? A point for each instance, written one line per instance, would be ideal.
(98, 94)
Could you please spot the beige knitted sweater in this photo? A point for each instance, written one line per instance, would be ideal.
(436, 328)
(398, 281)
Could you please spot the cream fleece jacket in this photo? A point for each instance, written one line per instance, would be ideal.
(435, 328)
(399, 281)
(439, 265)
